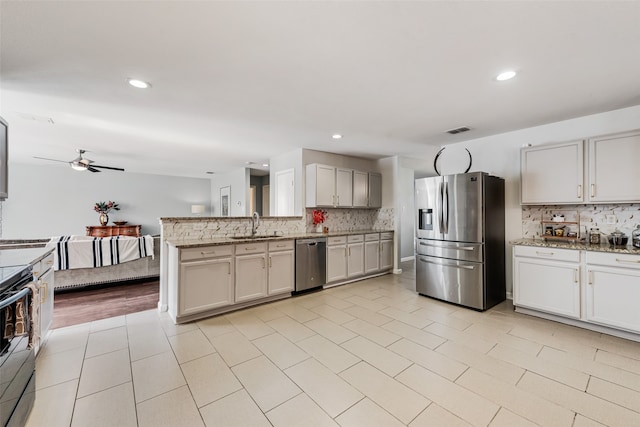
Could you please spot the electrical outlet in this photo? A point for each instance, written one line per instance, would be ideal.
(611, 219)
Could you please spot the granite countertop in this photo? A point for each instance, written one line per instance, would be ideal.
(580, 246)
(23, 256)
(215, 241)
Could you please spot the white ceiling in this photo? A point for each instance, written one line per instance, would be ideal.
(243, 81)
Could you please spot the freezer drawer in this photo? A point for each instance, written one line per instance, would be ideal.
(473, 252)
(454, 281)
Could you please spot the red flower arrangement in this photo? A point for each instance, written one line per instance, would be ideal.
(319, 216)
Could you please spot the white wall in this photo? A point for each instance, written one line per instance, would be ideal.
(500, 155)
(238, 180)
(47, 201)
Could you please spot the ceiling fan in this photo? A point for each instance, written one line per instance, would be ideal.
(82, 163)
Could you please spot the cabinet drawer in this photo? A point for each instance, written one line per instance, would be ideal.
(614, 259)
(372, 237)
(42, 266)
(387, 235)
(251, 248)
(337, 240)
(548, 253)
(205, 252)
(357, 238)
(281, 245)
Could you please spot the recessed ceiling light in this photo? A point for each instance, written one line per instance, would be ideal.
(336, 136)
(265, 165)
(139, 84)
(505, 75)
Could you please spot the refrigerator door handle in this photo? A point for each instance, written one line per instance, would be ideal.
(440, 210)
(445, 207)
(466, 267)
(464, 248)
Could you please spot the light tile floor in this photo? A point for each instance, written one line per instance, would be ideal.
(370, 353)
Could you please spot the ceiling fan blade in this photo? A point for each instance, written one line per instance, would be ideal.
(53, 160)
(92, 169)
(107, 167)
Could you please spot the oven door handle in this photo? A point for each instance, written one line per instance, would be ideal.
(15, 297)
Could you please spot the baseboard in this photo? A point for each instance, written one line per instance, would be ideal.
(408, 258)
(510, 295)
(397, 271)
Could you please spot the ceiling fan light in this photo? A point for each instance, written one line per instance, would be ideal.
(78, 166)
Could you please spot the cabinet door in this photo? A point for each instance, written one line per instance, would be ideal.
(251, 277)
(360, 189)
(552, 173)
(355, 259)
(545, 285)
(375, 190)
(46, 302)
(612, 297)
(281, 272)
(614, 175)
(386, 254)
(371, 257)
(325, 185)
(344, 187)
(205, 285)
(336, 263)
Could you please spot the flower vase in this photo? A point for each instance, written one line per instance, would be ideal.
(104, 219)
(318, 228)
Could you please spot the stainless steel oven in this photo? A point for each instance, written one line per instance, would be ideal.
(17, 358)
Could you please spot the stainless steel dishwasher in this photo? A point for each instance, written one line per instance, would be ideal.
(311, 263)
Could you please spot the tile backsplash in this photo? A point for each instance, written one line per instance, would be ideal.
(193, 228)
(627, 216)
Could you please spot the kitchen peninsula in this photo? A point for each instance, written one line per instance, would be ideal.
(214, 265)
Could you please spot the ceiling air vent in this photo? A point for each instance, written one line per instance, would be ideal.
(459, 130)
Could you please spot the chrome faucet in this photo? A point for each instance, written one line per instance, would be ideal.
(255, 220)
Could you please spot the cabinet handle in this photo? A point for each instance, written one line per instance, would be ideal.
(349, 251)
(590, 277)
(208, 253)
(579, 191)
(229, 269)
(50, 262)
(280, 246)
(270, 263)
(263, 263)
(627, 261)
(593, 190)
(544, 253)
(249, 249)
(338, 197)
(575, 275)
(43, 299)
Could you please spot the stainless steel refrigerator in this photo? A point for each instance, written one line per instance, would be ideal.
(460, 248)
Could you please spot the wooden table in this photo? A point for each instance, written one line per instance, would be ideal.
(113, 230)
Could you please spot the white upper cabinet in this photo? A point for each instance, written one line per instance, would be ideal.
(329, 186)
(344, 187)
(552, 173)
(375, 190)
(614, 172)
(360, 189)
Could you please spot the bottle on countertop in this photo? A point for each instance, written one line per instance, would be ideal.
(594, 236)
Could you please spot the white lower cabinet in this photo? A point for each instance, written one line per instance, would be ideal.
(544, 280)
(336, 258)
(43, 280)
(371, 253)
(613, 290)
(386, 251)
(281, 267)
(597, 289)
(251, 271)
(355, 256)
(205, 285)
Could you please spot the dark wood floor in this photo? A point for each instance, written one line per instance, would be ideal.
(80, 306)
